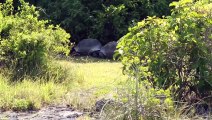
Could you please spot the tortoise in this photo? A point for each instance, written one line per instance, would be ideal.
(88, 47)
(108, 50)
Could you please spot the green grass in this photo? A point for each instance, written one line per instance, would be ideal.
(27, 94)
(89, 80)
(95, 74)
(97, 78)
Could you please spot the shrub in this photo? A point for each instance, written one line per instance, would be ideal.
(173, 52)
(27, 43)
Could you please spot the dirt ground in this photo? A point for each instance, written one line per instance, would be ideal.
(47, 113)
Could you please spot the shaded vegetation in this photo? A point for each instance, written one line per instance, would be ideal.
(105, 20)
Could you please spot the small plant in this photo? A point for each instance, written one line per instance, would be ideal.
(22, 105)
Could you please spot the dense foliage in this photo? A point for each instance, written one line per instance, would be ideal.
(26, 43)
(174, 52)
(105, 20)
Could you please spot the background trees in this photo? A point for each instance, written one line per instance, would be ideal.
(105, 20)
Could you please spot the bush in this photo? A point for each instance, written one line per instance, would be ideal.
(27, 43)
(173, 52)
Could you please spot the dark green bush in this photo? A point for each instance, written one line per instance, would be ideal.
(27, 43)
(175, 52)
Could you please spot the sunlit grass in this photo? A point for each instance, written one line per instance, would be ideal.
(97, 78)
(27, 94)
(102, 73)
(89, 80)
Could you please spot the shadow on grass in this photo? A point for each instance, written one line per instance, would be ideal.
(86, 59)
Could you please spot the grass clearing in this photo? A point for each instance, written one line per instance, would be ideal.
(92, 73)
(97, 78)
(90, 80)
